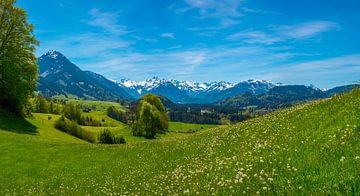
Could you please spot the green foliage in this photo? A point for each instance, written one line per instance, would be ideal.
(18, 67)
(117, 114)
(107, 137)
(71, 127)
(72, 112)
(42, 105)
(89, 121)
(151, 117)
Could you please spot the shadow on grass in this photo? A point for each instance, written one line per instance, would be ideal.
(17, 125)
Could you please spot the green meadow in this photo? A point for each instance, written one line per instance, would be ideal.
(311, 148)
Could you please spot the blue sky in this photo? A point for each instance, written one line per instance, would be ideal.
(293, 42)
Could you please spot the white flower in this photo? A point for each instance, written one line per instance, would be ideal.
(342, 159)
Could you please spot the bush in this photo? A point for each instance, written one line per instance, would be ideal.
(72, 128)
(119, 140)
(107, 137)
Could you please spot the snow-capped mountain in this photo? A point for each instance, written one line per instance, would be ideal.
(188, 86)
(193, 92)
(57, 75)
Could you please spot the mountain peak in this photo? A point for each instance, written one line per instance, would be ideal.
(53, 54)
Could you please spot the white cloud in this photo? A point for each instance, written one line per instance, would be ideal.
(238, 62)
(168, 35)
(138, 65)
(328, 64)
(257, 11)
(174, 47)
(331, 71)
(108, 21)
(140, 38)
(253, 37)
(85, 45)
(283, 33)
(215, 8)
(226, 11)
(306, 30)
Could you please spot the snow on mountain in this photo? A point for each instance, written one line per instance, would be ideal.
(57, 75)
(53, 54)
(190, 90)
(188, 86)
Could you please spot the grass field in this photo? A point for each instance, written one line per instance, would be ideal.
(99, 105)
(312, 148)
(45, 127)
(188, 127)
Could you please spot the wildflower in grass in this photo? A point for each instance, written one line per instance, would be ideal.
(342, 158)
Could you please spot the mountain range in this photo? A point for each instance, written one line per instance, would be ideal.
(59, 76)
(193, 92)
(281, 96)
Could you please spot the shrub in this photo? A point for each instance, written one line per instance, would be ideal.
(118, 115)
(119, 140)
(107, 137)
(72, 128)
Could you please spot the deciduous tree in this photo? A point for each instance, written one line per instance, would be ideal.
(18, 66)
(151, 117)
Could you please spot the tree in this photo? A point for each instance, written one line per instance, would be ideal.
(151, 117)
(18, 66)
(72, 112)
(42, 105)
(156, 102)
(117, 114)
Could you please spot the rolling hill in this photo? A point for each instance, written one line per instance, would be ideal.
(312, 148)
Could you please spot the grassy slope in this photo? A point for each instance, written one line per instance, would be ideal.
(185, 127)
(309, 148)
(100, 105)
(39, 126)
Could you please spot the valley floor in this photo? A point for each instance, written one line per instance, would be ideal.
(311, 148)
